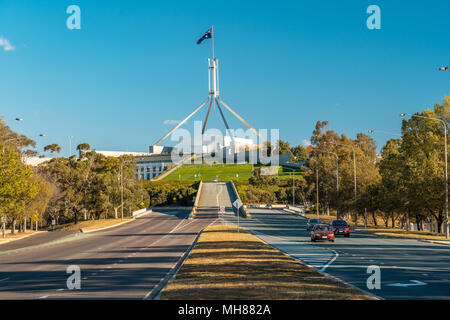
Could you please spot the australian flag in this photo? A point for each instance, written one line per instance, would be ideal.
(207, 35)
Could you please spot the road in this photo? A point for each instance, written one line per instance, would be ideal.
(125, 262)
(410, 269)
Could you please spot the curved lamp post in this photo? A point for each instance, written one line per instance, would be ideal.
(384, 132)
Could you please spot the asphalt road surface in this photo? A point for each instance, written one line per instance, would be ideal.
(125, 262)
(410, 269)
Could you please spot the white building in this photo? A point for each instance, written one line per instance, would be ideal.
(35, 161)
(149, 167)
(235, 145)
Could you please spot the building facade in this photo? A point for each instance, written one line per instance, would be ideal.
(149, 167)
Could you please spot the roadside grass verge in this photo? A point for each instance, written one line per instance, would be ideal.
(226, 264)
(382, 230)
(18, 235)
(89, 224)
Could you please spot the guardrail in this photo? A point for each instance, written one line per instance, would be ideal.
(242, 210)
(295, 210)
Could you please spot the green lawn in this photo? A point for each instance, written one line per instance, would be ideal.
(222, 172)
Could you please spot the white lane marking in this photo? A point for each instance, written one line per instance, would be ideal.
(93, 274)
(102, 270)
(60, 289)
(414, 283)
(43, 297)
(84, 278)
(4, 279)
(331, 261)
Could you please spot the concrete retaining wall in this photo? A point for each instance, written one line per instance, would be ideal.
(140, 212)
(197, 198)
(242, 209)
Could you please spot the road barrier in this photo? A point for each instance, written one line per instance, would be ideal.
(242, 210)
(140, 212)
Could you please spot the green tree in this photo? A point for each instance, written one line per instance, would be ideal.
(299, 153)
(16, 185)
(52, 148)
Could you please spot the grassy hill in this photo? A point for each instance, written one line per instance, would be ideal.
(221, 172)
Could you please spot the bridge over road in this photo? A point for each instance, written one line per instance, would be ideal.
(212, 196)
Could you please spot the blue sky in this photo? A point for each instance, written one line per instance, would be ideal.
(283, 64)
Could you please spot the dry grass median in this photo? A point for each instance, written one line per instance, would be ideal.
(90, 224)
(226, 264)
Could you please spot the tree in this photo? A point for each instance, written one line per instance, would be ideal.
(16, 186)
(93, 184)
(422, 156)
(53, 148)
(82, 148)
(299, 153)
(323, 163)
(284, 148)
(40, 201)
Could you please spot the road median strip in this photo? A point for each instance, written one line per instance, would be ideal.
(227, 264)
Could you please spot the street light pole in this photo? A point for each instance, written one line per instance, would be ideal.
(317, 188)
(14, 119)
(70, 145)
(20, 138)
(121, 188)
(446, 166)
(293, 190)
(337, 174)
(354, 178)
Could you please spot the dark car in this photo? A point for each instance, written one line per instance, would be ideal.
(340, 227)
(311, 223)
(322, 232)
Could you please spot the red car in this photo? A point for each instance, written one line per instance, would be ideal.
(322, 232)
(340, 227)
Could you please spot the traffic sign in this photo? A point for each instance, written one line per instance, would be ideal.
(3, 219)
(237, 204)
(53, 222)
(222, 209)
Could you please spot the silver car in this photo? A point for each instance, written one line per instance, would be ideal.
(311, 223)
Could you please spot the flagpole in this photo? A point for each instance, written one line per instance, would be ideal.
(212, 36)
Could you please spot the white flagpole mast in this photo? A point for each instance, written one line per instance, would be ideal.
(212, 37)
